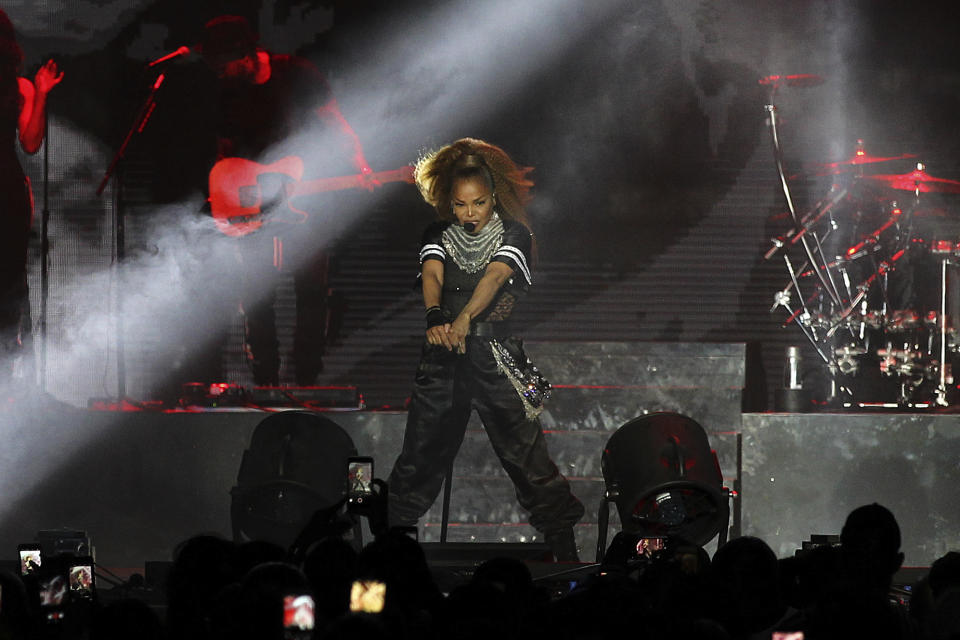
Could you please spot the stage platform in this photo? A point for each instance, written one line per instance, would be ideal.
(803, 473)
(140, 482)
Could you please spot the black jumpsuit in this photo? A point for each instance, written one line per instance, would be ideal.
(449, 386)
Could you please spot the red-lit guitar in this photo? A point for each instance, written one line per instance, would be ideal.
(245, 195)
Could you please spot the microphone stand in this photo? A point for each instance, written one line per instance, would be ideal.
(139, 124)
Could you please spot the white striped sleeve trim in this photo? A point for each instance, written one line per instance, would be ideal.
(433, 251)
(516, 256)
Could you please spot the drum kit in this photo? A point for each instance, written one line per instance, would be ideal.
(872, 275)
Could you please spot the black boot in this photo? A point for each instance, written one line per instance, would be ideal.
(563, 544)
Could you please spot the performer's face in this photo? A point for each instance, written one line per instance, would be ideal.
(472, 201)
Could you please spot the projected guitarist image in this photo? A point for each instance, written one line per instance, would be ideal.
(277, 120)
(23, 114)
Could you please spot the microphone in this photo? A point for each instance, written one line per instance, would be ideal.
(182, 51)
(469, 226)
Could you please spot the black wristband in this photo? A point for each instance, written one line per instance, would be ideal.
(436, 317)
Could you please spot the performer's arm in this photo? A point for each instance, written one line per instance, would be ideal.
(431, 276)
(33, 115)
(496, 274)
(333, 118)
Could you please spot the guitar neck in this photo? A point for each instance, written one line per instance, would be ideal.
(340, 183)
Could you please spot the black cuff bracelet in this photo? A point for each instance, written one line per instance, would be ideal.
(436, 317)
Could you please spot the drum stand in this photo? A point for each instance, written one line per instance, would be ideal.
(945, 376)
(802, 227)
(862, 345)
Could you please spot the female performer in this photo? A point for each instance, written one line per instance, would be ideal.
(23, 106)
(475, 265)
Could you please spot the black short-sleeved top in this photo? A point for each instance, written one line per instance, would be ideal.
(513, 248)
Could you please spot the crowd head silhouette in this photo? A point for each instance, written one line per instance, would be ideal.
(217, 588)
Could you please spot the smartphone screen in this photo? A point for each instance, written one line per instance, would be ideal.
(359, 477)
(298, 613)
(30, 559)
(81, 579)
(367, 596)
(787, 635)
(648, 546)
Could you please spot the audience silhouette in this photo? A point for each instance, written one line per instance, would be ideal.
(218, 589)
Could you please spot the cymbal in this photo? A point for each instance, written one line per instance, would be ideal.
(795, 80)
(917, 180)
(860, 157)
